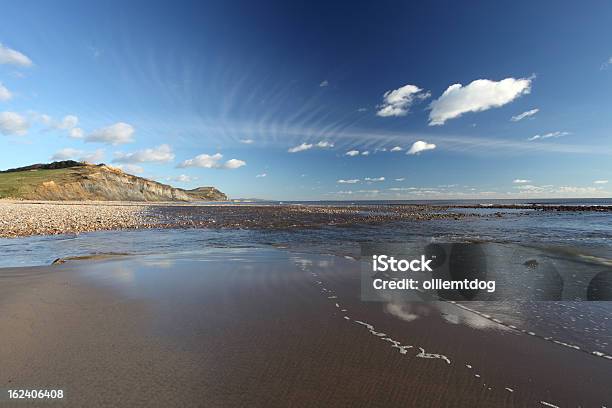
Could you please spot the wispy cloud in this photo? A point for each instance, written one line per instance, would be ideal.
(396, 149)
(378, 140)
(524, 115)
(397, 102)
(607, 64)
(478, 95)
(324, 83)
(600, 182)
(13, 57)
(349, 181)
(261, 175)
(247, 141)
(548, 135)
(521, 181)
(212, 162)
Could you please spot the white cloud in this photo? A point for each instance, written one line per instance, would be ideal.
(420, 146)
(160, 154)
(300, 148)
(478, 95)
(68, 123)
(233, 164)
(362, 109)
(42, 118)
(576, 190)
(397, 102)
(375, 179)
(66, 153)
(521, 181)
(324, 83)
(212, 162)
(13, 57)
(324, 144)
(203, 160)
(365, 153)
(403, 188)
(247, 141)
(352, 153)
(5, 94)
(548, 135)
(600, 182)
(550, 190)
(524, 115)
(606, 64)
(396, 149)
(532, 188)
(261, 175)
(80, 155)
(119, 133)
(93, 157)
(350, 181)
(131, 168)
(400, 179)
(307, 146)
(12, 123)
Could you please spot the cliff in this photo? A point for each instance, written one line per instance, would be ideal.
(206, 194)
(76, 181)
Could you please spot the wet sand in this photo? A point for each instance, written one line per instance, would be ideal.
(264, 327)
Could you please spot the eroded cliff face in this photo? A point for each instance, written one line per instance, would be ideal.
(104, 183)
(79, 181)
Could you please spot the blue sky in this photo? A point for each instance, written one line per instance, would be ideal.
(282, 100)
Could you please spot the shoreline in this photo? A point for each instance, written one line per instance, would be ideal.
(28, 218)
(21, 219)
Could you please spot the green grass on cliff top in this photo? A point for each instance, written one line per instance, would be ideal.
(16, 184)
